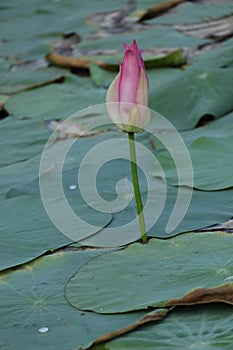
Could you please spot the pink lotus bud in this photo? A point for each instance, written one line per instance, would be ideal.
(127, 96)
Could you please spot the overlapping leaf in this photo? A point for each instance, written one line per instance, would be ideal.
(188, 269)
(211, 163)
(32, 297)
(204, 327)
(25, 79)
(197, 92)
(56, 101)
(199, 13)
(15, 147)
(183, 270)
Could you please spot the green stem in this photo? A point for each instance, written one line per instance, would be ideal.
(136, 187)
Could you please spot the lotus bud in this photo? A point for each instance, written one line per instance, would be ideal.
(127, 96)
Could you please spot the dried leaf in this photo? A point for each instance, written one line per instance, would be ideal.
(68, 129)
(158, 9)
(217, 28)
(154, 316)
(205, 295)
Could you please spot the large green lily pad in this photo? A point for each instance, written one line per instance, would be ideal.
(27, 232)
(203, 327)
(216, 206)
(211, 159)
(204, 210)
(219, 128)
(220, 56)
(38, 259)
(15, 147)
(186, 269)
(200, 12)
(32, 297)
(47, 23)
(73, 95)
(158, 37)
(27, 172)
(197, 92)
(25, 79)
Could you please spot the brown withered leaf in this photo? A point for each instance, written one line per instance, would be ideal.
(67, 129)
(154, 316)
(82, 62)
(217, 28)
(116, 21)
(154, 57)
(158, 9)
(205, 295)
(66, 46)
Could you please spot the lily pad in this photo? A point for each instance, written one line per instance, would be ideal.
(47, 23)
(211, 163)
(34, 309)
(27, 232)
(73, 95)
(198, 327)
(158, 37)
(216, 206)
(15, 147)
(27, 172)
(25, 79)
(111, 63)
(197, 92)
(218, 128)
(200, 12)
(220, 56)
(187, 269)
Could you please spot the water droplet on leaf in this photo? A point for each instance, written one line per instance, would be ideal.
(72, 187)
(43, 330)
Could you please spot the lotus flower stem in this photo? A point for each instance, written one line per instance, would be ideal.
(137, 193)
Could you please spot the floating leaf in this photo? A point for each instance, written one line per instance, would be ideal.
(220, 56)
(68, 129)
(158, 37)
(219, 128)
(158, 9)
(26, 79)
(187, 269)
(204, 327)
(15, 147)
(216, 206)
(47, 23)
(111, 63)
(200, 12)
(19, 174)
(73, 95)
(211, 163)
(71, 61)
(217, 29)
(173, 59)
(197, 92)
(153, 316)
(32, 300)
(27, 232)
